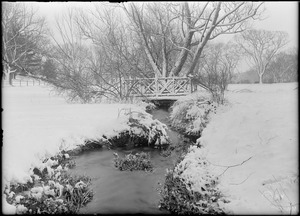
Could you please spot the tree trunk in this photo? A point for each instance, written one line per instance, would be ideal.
(196, 58)
(8, 73)
(187, 43)
(183, 55)
(141, 32)
(202, 43)
(260, 78)
(165, 60)
(151, 60)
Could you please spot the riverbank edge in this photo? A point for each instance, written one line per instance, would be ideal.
(178, 194)
(18, 197)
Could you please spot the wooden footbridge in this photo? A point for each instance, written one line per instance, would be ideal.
(160, 88)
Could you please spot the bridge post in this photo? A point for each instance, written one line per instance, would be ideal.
(173, 85)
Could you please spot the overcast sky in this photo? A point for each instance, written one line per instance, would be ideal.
(279, 16)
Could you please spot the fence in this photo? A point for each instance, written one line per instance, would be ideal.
(24, 82)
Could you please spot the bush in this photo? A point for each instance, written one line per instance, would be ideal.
(149, 106)
(144, 131)
(179, 198)
(138, 161)
(52, 190)
(191, 190)
(189, 115)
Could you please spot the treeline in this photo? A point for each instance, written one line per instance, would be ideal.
(283, 68)
(93, 51)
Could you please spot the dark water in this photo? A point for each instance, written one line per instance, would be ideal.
(125, 191)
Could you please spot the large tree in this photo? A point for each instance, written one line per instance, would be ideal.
(23, 33)
(184, 30)
(260, 46)
(215, 70)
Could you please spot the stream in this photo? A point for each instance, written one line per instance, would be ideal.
(118, 191)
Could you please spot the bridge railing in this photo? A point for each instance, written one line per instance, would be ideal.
(160, 86)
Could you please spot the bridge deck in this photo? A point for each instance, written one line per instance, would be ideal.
(173, 98)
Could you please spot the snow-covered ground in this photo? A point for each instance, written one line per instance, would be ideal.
(252, 146)
(259, 127)
(38, 124)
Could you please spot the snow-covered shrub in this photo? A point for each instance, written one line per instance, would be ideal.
(144, 131)
(142, 124)
(77, 190)
(191, 190)
(138, 161)
(189, 114)
(149, 106)
(179, 198)
(51, 191)
(21, 209)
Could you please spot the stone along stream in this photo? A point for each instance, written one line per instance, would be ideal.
(118, 191)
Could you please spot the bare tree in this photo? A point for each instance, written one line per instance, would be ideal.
(284, 67)
(93, 56)
(216, 68)
(22, 35)
(72, 59)
(116, 55)
(193, 28)
(260, 46)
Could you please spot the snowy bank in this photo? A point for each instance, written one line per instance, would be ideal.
(190, 114)
(38, 124)
(251, 145)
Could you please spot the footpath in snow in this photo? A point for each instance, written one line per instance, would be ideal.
(251, 144)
